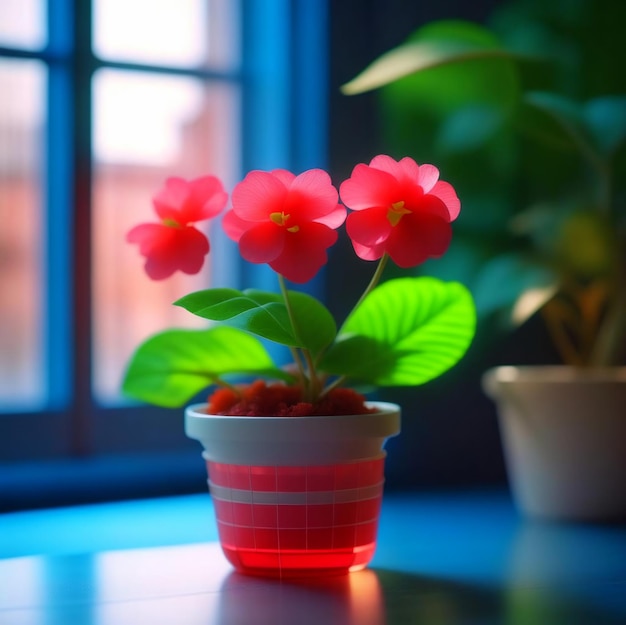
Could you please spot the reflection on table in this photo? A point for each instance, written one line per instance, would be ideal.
(440, 559)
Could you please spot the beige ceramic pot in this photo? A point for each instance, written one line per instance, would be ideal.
(564, 438)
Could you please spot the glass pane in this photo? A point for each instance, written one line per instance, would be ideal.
(23, 23)
(148, 127)
(168, 32)
(21, 141)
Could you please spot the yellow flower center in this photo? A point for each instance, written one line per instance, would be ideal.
(280, 219)
(395, 213)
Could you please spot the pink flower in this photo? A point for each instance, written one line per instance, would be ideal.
(400, 208)
(174, 244)
(286, 221)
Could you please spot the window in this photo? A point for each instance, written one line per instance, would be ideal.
(105, 103)
(22, 118)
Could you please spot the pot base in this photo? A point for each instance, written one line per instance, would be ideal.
(298, 563)
(297, 521)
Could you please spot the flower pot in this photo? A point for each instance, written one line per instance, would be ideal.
(296, 496)
(564, 438)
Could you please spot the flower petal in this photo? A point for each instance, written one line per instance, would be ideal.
(258, 195)
(311, 196)
(431, 205)
(169, 249)
(369, 252)
(446, 193)
(233, 226)
(273, 210)
(382, 162)
(304, 253)
(409, 169)
(147, 236)
(206, 199)
(368, 227)
(189, 247)
(262, 243)
(427, 177)
(368, 187)
(334, 219)
(286, 177)
(187, 201)
(170, 198)
(417, 238)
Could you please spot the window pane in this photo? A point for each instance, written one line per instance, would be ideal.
(170, 32)
(21, 129)
(148, 128)
(23, 23)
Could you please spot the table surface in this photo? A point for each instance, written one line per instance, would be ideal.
(455, 558)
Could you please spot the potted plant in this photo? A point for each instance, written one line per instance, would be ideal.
(530, 111)
(294, 453)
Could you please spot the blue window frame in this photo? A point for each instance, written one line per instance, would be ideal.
(281, 79)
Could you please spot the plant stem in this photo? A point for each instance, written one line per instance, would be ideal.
(373, 282)
(554, 315)
(605, 184)
(224, 384)
(285, 294)
(309, 382)
(610, 341)
(312, 391)
(295, 354)
(609, 346)
(337, 382)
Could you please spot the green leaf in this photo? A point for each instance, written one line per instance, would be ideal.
(586, 245)
(556, 120)
(503, 280)
(265, 314)
(316, 327)
(469, 128)
(169, 368)
(606, 116)
(257, 312)
(406, 332)
(438, 44)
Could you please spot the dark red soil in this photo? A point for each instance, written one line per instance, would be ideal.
(278, 400)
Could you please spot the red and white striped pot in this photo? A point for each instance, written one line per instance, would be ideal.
(296, 496)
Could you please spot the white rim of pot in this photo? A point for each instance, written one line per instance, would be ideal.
(290, 441)
(550, 374)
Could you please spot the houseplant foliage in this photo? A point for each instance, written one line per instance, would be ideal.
(404, 331)
(295, 464)
(535, 102)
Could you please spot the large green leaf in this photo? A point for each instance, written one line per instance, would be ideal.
(265, 314)
(173, 366)
(406, 332)
(436, 45)
(452, 85)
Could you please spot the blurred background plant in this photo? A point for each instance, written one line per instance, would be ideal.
(527, 116)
